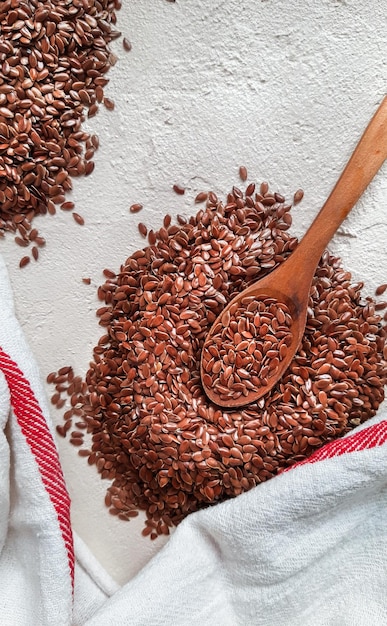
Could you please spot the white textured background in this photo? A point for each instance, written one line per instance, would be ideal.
(283, 87)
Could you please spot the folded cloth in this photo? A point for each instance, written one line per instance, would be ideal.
(36, 559)
(308, 547)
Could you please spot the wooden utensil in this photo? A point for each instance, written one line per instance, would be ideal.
(290, 282)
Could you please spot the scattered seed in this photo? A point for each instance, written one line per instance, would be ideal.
(250, 189)
(67, 206)
(78, 218)
(21, 242)
(126, 44)
(142, 229)
(179, 190)
(89, 168)
(381, 289)
(135, 208)
(298, 196)
(243, 173)
(60, 430)
(167, 221)
(24, 261)
(264, 188)
(109, 104)
(201, 197)
(84, 453)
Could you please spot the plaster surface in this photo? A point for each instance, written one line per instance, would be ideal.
(284, 88)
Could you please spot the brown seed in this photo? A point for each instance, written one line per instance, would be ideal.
(84, 453)
(126, 44)
(243, 173)
(109, 104)
(250, 189)
(167, 221)
(76, 442)
(78, 218)
(264, 188)
(381, 289)
(178, 189)
(299, 194)
(135, 208)
(21, 242)
(142, 229)
(24, 261)
(67, 206)
(60, 430)
(89, 168)
(92, 110)
(201, 197)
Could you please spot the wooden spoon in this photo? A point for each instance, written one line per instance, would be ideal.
(290, 282)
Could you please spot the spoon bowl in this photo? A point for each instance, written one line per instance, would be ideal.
(261, 292)
(289, 284)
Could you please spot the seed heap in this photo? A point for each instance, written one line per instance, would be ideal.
(154, 434)
(53, 57)
(247, 346)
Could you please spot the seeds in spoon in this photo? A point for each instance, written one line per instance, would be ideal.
(247, 347)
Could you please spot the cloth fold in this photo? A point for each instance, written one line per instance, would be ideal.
(35, 535)
(308, 547)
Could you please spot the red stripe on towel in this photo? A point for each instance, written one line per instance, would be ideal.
(34, 427)
(369, 437)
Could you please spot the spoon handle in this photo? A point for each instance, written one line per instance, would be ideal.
(366, 160)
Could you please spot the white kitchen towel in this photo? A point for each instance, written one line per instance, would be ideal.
(308, 547)
(36, 558)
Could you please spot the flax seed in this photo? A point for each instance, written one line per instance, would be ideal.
(126, 44)
(264, 188)
(299, 194)
(78, 219)
(201, 197)
(142, 229)
(67, 206)
(381, 289)
(109, 104)
(243, 173)
(135, 208)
